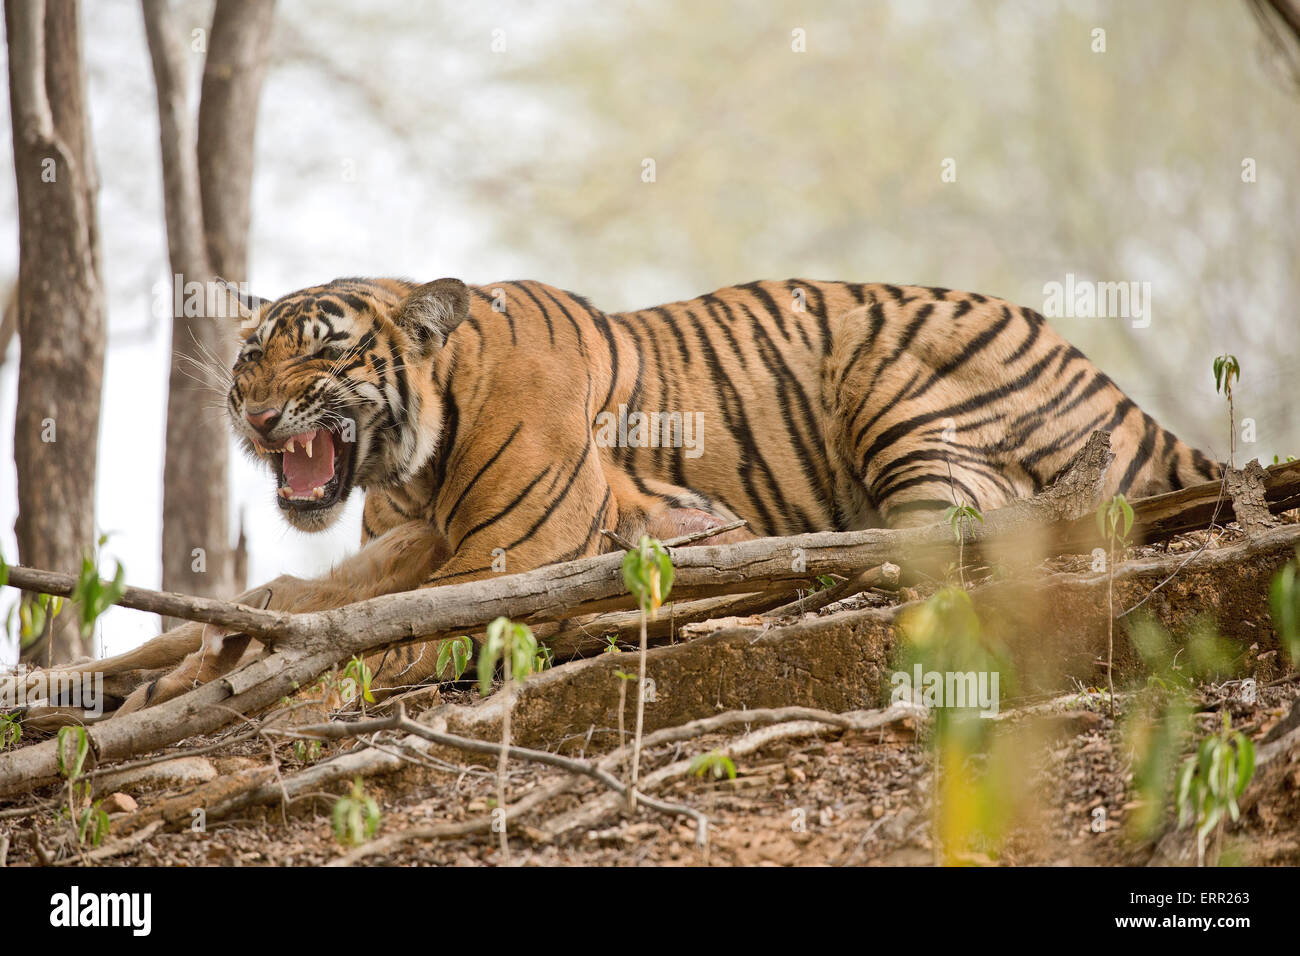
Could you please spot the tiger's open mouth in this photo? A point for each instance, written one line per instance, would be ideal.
(312, 469)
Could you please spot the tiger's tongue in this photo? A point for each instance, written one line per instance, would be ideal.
(301, 473)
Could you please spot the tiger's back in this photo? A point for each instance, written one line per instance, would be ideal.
(798, 406)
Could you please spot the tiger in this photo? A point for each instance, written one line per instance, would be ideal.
(505, 426)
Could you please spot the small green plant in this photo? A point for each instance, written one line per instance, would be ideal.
(455, 652)
(1287, 460)
(1155, 731)
(978, 787)
(1115, 522)
(36, 615)
(355, 684)
(513, 646)
(516, 648)
(1158, 720)
(92, 825)
(1284, 602)
(73, 748)
(648, 574)
(1211, 783)
(714, 764)
(89, 821)
(306, 751)
(92, 595)
(11, 730)
(356, 817)
(1156, 724)
(961, 517)
(1227, 370)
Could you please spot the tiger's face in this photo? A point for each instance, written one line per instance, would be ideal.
(333, 388)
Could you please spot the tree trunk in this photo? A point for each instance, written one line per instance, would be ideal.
(206, 183)
(61, 311)
(232, 86)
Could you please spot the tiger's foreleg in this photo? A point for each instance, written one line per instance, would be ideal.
(399, 560)
(123, 673)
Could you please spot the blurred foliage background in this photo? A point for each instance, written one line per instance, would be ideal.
(507, 140)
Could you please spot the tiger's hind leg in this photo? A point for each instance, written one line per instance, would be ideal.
(912, 480)
(927, 501)
(918, 480)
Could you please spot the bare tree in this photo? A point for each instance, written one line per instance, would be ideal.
(60, 306)
(9, 324)
(1280, 21)
(207, 180)
(232, 86)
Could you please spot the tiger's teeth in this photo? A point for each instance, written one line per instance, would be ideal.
(284, 492)
(318, 492)
(307, 446)
(288, 447)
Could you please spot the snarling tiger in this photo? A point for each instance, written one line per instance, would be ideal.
(501, 427)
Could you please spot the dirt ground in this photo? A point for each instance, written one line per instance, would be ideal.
(1065, 766)
(837, 799)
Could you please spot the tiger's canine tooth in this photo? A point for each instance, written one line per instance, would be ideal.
(318, 492)
(288, 447)
(307, 446)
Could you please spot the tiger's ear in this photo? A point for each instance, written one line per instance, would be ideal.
(243, 305)
(430, 313)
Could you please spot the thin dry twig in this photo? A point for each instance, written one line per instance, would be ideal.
(681, 540)
(781, 723)
(118, 847)
(400, 722)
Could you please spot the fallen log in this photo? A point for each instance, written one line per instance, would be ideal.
(1059, 521)
(308, 644)
(594, 635)
(1161, 517)
(594, 585)
(1052, 624)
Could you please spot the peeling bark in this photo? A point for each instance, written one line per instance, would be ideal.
(60, 302)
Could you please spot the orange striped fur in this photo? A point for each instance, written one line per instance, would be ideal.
(483, 416)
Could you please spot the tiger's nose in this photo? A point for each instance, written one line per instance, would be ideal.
(263, 419)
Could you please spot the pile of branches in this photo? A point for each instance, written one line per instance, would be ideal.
(770, 576)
